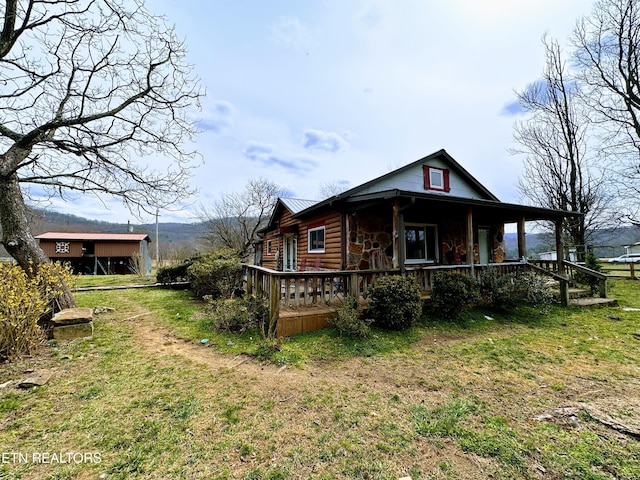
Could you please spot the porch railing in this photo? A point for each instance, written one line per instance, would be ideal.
(292, 290)
(571, 269)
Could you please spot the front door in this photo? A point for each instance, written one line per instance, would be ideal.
(289, 253)
(484, 245)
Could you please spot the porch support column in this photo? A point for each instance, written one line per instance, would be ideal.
(522, 241)
(396, 233)
(470, 250)
(564, 285)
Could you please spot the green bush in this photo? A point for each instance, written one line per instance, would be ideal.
(231, 315)
(590, 261)
(452, 293)
(175, 273)
(497, 291)
(533, 289)
(348, 319)
(236, 314)
(217, 274)
(395, 302)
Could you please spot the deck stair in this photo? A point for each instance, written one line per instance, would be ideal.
(582, 297)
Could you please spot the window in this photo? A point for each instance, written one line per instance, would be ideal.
(269, 252)
(421, 243)
(436, 178)
(316, 240)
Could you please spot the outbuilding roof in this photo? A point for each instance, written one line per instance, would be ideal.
(107, 237)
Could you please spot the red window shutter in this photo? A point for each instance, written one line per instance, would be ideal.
(445, 174)
(425, 175)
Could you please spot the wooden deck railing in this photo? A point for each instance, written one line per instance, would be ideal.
(571, 269)
(293, 290)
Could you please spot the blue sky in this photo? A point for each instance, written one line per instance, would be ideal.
(311, 92)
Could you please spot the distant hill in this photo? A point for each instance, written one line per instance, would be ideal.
(606, 243)
(171, 235)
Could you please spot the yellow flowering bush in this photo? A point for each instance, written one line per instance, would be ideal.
(24, 299)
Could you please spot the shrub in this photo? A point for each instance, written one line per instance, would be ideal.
(497, 291)
(348, 319)
(24, 300)
(395, 302)
(237, 314)
(590, 261)
(452, 293)
(231, 315)
(533, 289)
(218, 274)
(175, 273)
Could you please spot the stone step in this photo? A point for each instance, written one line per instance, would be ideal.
(593, 302)
(73, 323)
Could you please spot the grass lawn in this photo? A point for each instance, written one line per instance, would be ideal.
(521, 394)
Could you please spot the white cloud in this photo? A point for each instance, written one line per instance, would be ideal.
(217, 118)
(321, 140)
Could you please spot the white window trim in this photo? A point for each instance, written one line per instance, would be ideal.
(412, 261)
(269, 247)
(316, 229)
(440, 174)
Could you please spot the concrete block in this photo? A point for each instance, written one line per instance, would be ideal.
(72, 316)
(71, 332)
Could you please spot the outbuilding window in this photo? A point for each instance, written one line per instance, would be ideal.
(316, 240)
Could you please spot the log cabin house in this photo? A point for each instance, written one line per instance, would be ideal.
(427, 216)
(99, 253)
(428, 213)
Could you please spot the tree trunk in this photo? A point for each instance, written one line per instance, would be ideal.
(17, 237)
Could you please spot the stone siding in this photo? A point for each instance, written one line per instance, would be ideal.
(369, 243)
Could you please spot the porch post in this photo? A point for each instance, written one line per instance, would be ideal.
(522, 241)
(402, 254)
(564, 285)
(470, 250)
(396, 233)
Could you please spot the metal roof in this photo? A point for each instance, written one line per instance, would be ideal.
(296, 205)
(107, 237)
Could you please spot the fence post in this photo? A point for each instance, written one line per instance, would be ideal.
(274, 304)
(632, 269)
(250, 274)
(603, 288)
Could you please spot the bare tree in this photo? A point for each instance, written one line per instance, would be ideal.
(553, 139)
(87, 88)
(607, 51)
(330, 189)
(234, 219)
